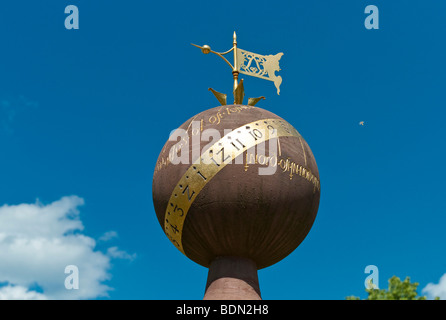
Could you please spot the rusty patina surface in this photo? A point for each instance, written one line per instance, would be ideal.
(240, 213)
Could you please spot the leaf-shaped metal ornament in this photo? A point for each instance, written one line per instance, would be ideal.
(239, 93)
(221, 97)
(253, 101)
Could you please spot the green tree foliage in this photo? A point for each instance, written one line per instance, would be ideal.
(397, 290)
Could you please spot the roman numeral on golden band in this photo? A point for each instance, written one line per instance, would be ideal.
(211, 161)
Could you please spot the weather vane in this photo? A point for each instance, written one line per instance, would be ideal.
(249, 63)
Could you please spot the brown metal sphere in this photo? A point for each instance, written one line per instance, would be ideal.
(239, 212)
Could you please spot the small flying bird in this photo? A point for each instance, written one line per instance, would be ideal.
(361, 123)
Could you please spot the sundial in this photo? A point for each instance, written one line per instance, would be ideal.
(236, 188)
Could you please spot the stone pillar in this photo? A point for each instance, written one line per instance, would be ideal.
(232, 278)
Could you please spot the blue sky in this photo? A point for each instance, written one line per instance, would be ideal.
(84, 114)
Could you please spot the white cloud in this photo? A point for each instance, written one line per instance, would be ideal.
(436, 290)
(38, 241)
(19, 293)
(114, 252)
(108, 236)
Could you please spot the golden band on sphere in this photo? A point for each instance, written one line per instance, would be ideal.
(211, 161)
